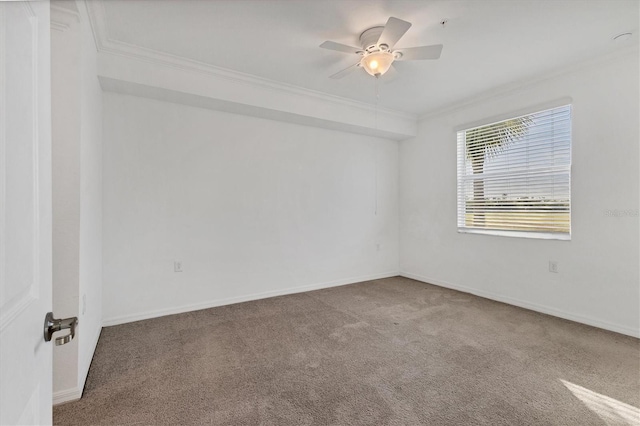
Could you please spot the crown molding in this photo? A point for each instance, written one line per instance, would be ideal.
(115, 47)
(510, 88)
(97, 22)
(183, 64)
(163, 94)
(62, 18)
(104, 43)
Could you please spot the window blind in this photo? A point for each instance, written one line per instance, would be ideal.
(514, 176)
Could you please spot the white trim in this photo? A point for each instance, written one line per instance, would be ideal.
(167, 60)
(3, 143)
(62, 18)
(59, 27)
(515, 87)
(90, 17)
(82, 374)
(105, 44)
(518, 234)
(75, 393)
(155, 57)
(157, 93)
(238, 299)
(97, 21)
(595, 322)
(67, 395)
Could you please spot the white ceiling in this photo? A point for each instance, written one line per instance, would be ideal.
(487, 44)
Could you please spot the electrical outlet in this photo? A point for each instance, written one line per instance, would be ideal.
(177, 266)
(553, 266)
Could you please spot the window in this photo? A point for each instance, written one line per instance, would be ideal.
(514, 176)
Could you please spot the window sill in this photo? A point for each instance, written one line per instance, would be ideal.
(518, 234)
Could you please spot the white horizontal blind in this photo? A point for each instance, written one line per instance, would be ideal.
(514, 176)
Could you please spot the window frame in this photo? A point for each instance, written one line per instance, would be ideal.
(544, 235)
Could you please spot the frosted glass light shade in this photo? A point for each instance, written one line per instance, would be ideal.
(378, 63)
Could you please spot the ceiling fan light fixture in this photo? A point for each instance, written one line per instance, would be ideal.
(376, 64)
(378, 52)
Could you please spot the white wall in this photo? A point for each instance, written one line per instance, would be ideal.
(598, 282)
(77, 194)
(252, 207)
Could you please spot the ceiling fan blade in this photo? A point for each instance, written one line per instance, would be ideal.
(393, 31)
(418, 53)
(332, 45)
(391, 73)
(345, 71)
(389, 76)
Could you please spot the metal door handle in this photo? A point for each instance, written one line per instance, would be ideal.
(51, 325)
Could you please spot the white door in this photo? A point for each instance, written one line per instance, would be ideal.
(25, 212)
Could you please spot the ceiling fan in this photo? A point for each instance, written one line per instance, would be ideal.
(378, 51)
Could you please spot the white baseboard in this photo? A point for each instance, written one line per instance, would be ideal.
(231, 300)
(87, 361)
(629, 331)
(75, 393)
(67, 395)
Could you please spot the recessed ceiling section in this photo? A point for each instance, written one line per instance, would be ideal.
(488, 43)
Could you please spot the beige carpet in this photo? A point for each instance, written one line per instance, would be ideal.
(384, 352)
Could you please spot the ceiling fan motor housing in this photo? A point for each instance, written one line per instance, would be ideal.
(369, 40)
